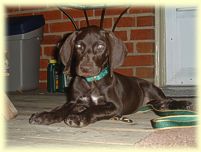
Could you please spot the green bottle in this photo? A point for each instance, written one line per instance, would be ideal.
(61, 82)
(52, 76)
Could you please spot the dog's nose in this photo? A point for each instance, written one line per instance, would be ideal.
(86, 67)
(87, 64)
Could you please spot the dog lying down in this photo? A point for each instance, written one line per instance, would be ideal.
(96, 92)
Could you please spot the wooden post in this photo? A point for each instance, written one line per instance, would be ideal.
(10, 110)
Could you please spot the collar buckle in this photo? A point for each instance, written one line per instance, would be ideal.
(94, 77)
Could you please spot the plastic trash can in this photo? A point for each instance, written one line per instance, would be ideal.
(24, 35)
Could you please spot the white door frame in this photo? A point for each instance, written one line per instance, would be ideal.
(160, 58)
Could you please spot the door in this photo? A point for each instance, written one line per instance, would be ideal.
(180, 27)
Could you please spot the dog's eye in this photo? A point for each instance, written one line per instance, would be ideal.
(100, 46)
(78, 46)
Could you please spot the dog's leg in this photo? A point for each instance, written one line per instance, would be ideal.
(158, 100)
(91, 115)
(54, 116)
(171, 104)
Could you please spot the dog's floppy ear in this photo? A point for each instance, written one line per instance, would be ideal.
(117, 52)
(66, 52)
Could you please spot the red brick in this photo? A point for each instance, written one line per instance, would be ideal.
(107, 22)
(115, 11)
(129, 46)
(145, 21)
(49, 51)
(140, 60)
(93, 22)
(145, 47)
(61, 27)
(25, 8)
(43, 75)
(142, 34)
(109, 11)
(41, 51)
(50, 15)
(144, 72)
(76, 13)
(126, 22)
(127, 72)
(43, 63)
(51, 39)
(137, 10)
(121, 35)
(12, 9)
(43, 86)
(46, 28)
(83, 23)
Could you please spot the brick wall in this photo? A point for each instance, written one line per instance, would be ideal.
(136, 29)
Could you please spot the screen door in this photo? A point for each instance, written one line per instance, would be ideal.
(180, 24)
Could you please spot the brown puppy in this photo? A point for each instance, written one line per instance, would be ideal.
(96, 92)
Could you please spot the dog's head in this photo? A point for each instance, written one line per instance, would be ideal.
(92, 49)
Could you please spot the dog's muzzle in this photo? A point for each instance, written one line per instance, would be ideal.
(88, 69)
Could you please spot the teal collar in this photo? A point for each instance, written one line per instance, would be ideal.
(101, 75)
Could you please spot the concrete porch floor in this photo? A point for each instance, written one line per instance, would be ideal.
(107, 133)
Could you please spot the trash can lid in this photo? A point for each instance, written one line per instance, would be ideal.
(24, 24)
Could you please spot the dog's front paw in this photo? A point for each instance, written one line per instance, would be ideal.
(77, 120)
(44, 118)
(36, 118)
